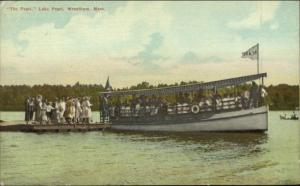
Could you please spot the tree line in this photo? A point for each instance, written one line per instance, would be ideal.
(12, 97)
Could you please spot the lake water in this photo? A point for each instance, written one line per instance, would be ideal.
(148, 158)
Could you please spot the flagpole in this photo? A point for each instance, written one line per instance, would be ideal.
(257, 58)
(262, 79)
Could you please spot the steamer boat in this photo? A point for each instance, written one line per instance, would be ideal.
(192, 107)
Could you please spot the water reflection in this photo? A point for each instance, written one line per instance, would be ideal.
(242, 139)
(209, 146)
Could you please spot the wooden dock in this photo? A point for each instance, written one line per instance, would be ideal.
(18, 126)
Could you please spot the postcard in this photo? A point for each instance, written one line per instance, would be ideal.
(149, 92)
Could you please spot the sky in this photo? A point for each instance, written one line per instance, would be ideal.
(157, 42)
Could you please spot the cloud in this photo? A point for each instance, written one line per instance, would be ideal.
(124, 33)
(212, 59)
(148, 57)
(264, 12)
(160, 44)
(147, 54)
(87, 48)
(190, 57)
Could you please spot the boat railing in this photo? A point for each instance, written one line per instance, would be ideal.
(220, 105)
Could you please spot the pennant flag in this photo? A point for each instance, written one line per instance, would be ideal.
(251, 53)
(107, 85)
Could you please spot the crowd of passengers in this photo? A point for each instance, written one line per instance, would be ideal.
(153, 105)
(60, 111)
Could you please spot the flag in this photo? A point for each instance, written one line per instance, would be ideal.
(251, 53)
(107, 85)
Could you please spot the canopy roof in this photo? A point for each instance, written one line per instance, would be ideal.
(188, 87)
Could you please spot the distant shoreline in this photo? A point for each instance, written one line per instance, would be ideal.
(12, 97)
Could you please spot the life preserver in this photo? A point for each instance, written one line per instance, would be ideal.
(195, 109)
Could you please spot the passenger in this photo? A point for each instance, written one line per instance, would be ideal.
(31, 109)
(187, 98)
(122, 110)
(118, 107)
(38, 107)
(216, 101)
(43, 112)
(61, 110)
(245, 100)
(198, 96)
(67, 110)
(104, 109)
(86, 110)
(133, 104)
(164, 108)
(152, 103)
(89, 110)
(35, 118)
(147, 106)
(54, 113)
(238, 101)
(294, 116)
(180, 98)
(77, 110)
(27, 110)
(142, 104)
(49, 111)
(57, 108)
(208, 103)
(73, 110)
(70, 110)
(202, 103)
(254, 93)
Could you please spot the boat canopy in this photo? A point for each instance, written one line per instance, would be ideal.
(188, 87)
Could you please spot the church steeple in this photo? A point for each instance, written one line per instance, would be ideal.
(107, 85)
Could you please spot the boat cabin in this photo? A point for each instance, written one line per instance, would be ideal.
(183, 103)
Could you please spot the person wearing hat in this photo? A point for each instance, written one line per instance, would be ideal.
(27, 110)
(43, 116)
(86, 110)
(78, 110)
(70, 110)
(54, 111)
(31, 109)
(89, 109)
(38, 108)
(61, 110)
(49, 112)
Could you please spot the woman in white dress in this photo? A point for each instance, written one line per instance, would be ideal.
(70, 110)
(38, 108)
(89, 109)
(86, 110)
(61, 110)
(78, 110)
(44, 117)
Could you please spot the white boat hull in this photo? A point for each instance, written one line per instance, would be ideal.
(244, 120)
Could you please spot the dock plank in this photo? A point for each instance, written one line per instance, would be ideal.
(17, 126)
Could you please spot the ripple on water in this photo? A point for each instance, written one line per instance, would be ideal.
(152, 158)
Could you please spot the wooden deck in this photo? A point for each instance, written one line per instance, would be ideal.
(18, 126)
